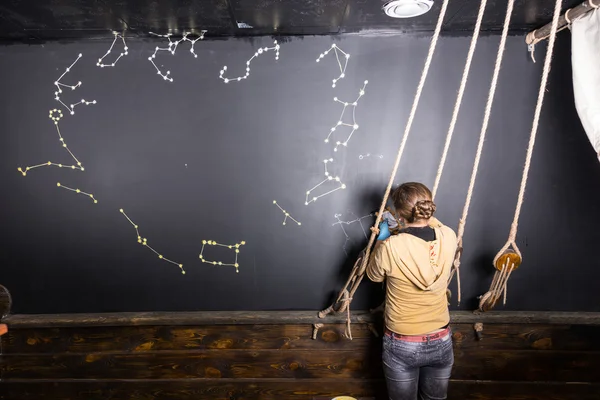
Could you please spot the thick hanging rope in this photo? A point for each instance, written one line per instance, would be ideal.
(359, 274)
(512, 257)
(459, 97)
(486, 118)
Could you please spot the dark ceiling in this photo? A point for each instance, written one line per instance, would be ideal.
(42, 20)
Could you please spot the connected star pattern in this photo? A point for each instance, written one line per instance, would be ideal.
(341, 122)
(287, 214)
(235, 247)
(339, 55)
(172, 48)
(260, 51)
(59, 85)
(144, 242)
(356, 220)
(100, 62)
(328, 177)
(55, 115)
(77, 191)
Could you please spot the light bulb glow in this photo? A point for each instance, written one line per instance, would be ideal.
(235, 247)
(144, 242)
(59, 85)
(259, 52)
(100, 62)
(172, 48)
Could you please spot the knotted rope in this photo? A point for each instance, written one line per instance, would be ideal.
(501, 276)
(486, 119)
(459, 97)
(359, 274)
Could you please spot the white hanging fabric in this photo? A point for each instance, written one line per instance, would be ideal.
(585, 57)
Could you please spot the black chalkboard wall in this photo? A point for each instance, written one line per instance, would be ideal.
(198, 159)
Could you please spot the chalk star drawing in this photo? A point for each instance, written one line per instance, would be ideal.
(172, 48)
(59, 85)
(235, 247)
(342, 223)
(260, 51)
(340, 122)
(55, 116)
(328, 177)
(77, 191)
(123, 53)
(287, 214)
(144, 242)
(361, 157)
(338, 52)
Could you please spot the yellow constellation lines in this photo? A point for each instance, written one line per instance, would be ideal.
(77, 191)
(124, 53)
(338, 52)
(328, 177)
(59, 85)
(144, 242)
(340, 122)
(172, 48)
(258, 53)
(229, 246)
(287, 214)
(55, 116)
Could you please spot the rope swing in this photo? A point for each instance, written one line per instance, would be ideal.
(359, 270)
(486, 118)
(459, 97)
(509, 257)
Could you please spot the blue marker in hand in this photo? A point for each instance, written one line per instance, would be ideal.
(384, 231)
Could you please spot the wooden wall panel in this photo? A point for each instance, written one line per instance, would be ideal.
(157, 338)
(290, 337)
(498, 365)
(245, 360)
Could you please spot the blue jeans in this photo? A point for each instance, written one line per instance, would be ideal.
(415, 370)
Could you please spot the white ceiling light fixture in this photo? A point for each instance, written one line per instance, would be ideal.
(407, 8)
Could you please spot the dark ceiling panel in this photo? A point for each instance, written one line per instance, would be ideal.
(368, 14)
(527, 15)
(290, 16)
(162, 16)
(56, 19)
(52, 15)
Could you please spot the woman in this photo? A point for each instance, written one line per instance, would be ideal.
(417, 345)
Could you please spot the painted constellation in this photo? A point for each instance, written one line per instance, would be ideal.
(123, 53)
(342, 223)
(172, 48)
(338, 52)
(59, 85)
(77, 191)
(260, 51)
(235, 247)
(363, 156)
(328, 177)
(144, 242)
(55, 115)
(340, 122)
(287, 214)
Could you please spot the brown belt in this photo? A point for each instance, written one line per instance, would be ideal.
(419, 338)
